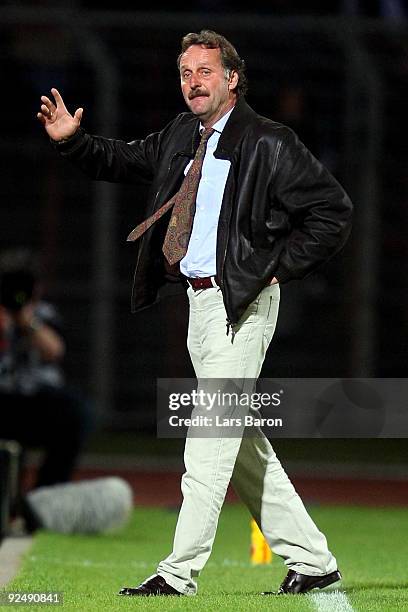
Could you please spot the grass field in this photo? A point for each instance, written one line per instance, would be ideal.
(371, 547)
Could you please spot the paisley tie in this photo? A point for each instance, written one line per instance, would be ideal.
(183, 202)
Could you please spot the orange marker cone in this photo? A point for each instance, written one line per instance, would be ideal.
(260, 551)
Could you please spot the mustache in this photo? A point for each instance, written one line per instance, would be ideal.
(195, 94)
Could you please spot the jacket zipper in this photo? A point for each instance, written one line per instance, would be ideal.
(229, 324)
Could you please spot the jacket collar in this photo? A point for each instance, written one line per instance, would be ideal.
(234, 130)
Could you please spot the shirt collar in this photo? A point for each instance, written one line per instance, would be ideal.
(220, 124)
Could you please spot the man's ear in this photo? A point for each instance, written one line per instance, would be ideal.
(233, 80)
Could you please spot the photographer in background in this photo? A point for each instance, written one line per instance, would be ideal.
(37, 408)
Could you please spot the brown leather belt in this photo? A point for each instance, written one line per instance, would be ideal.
(205, 282)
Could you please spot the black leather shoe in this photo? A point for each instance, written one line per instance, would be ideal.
(295, 583)
(154, 586)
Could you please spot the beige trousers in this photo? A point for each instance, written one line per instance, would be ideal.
(249, 462)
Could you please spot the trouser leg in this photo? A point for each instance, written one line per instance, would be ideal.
(56, 420)
(266, 490)
(67, 423)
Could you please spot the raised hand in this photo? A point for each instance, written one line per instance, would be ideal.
(56, 119)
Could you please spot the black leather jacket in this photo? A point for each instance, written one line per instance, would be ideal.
(283, 214)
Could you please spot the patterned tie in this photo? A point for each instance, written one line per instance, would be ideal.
(183, 203)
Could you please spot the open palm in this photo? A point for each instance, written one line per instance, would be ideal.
(56, 119)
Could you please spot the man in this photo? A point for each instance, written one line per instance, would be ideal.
(36, 402)
(253, 209)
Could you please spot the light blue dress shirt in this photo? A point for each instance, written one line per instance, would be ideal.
(200, 259)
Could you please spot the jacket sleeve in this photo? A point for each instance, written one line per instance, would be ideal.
(113, 160)
(318, 208)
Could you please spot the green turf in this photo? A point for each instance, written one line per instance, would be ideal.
(370, 544)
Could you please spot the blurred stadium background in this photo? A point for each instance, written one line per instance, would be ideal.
(337, 72)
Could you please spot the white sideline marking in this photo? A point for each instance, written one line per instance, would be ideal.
(335, 601)
(11, 554)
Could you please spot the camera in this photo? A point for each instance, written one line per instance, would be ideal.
(16, 289)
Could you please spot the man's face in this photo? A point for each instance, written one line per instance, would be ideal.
(206, 88)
